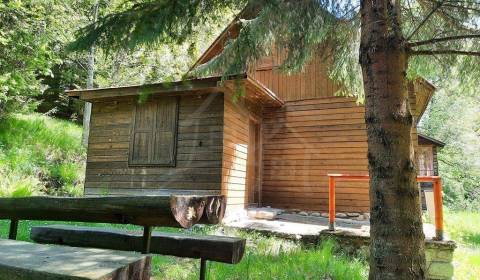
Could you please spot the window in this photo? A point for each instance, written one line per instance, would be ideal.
(154, 133)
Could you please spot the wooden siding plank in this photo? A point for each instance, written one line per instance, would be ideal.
(199, 150)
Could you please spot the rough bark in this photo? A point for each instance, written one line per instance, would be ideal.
(397, 247)
(188, 210)
(215, 209)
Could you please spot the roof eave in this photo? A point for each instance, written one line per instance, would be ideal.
(434, 141)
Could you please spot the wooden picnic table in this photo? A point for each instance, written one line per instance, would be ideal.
(21, 260)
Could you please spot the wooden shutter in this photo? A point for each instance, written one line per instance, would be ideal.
(154, 134)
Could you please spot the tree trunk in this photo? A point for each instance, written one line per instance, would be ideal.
(87, 109)
(397, 239)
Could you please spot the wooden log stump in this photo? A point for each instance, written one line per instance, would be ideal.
(177, 211)
(187, 209)
(26, 261)
(215, 209)
(214, 248)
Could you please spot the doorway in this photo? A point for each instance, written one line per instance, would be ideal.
(254, 166)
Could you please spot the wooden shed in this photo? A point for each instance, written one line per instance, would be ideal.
(263, 138)
(188, 137)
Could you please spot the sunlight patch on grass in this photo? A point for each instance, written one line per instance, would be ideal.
(464, 228)
(466, 261)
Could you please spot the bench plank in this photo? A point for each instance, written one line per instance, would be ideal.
(27, 261)
(215, 248)
(138, 210)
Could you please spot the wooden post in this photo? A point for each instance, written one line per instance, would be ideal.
(147, 237)
(203, 268)
(331, 203)
(438, 202)
(12, 234)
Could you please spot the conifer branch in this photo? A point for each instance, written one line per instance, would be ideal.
(440, 52)
(435, 8)
(444, 39)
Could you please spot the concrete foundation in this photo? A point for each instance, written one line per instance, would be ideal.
(352, 235)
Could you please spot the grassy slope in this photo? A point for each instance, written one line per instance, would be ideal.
(464, 228)
(39, 153)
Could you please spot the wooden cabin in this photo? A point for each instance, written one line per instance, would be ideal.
(427, 165)
(263, 138)
(427, 162)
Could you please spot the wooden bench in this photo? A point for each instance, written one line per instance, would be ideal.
(146, 211)
(26, 261)
(214, 248)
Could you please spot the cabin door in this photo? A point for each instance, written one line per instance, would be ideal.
(253, 165)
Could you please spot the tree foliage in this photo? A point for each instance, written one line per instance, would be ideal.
(437, 31)
(454, 117)
(36, 67)
(24, 52)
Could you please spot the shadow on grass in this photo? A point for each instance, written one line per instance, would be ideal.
(471, 238)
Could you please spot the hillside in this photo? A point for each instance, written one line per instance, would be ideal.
(40, 154)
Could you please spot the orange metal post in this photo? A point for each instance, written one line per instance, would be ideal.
(331, 203)
(437, 195)
(438, 201)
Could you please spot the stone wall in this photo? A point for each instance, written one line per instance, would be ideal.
(439, 254)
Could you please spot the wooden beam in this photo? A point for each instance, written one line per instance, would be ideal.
(214, 248)
(12, 233)
(137, 210)
(147, 238)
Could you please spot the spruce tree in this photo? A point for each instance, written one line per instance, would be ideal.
(375, 47)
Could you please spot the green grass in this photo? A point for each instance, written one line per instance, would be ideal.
(464, 228)
(265, 258)
(39, 154)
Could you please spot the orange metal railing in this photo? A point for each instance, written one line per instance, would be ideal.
(437, 197)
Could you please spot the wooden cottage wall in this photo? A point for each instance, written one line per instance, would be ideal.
(236, 135)
(306, 140)
(312, 83)
(199, 150)
(435, 161)
(415, 111)
(431, 149)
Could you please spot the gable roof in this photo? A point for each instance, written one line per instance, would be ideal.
(231, 31)
(424, 90)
